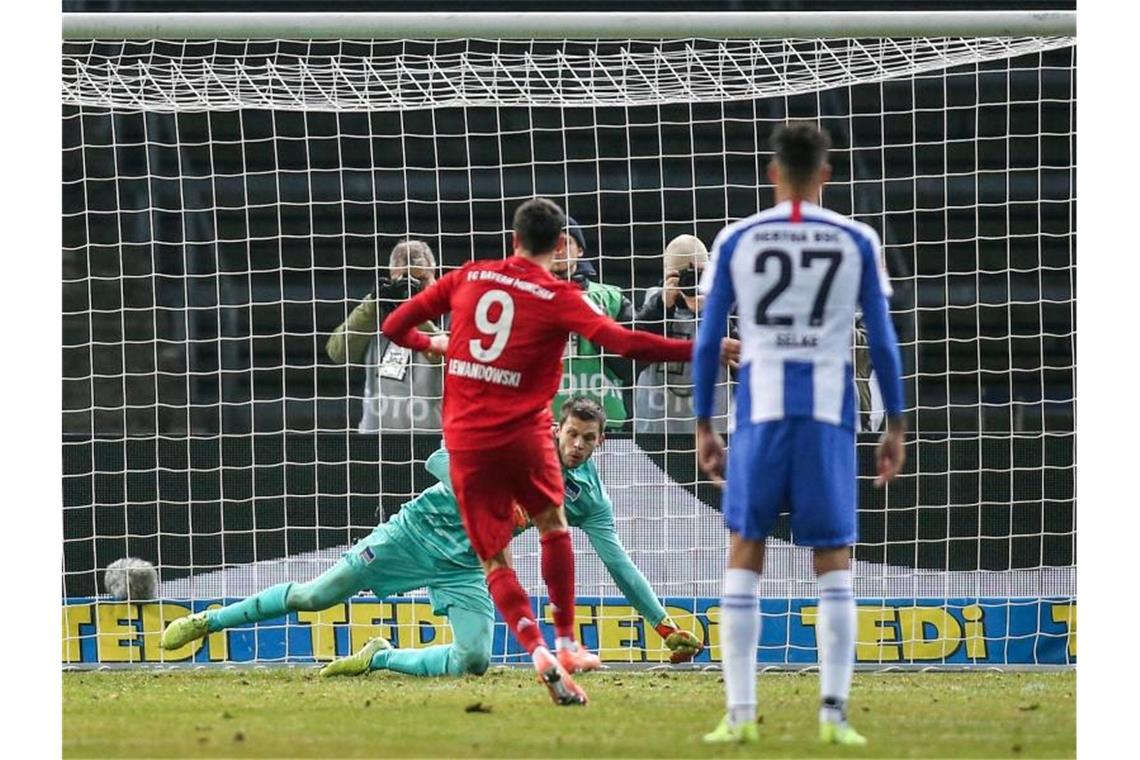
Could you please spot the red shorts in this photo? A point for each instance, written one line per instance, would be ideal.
(489, 482)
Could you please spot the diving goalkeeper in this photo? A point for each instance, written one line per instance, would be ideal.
(424, 545)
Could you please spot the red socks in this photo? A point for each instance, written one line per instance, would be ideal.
(514, 606)
(558, 572)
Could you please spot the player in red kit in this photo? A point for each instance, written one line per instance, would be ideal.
(510, 322)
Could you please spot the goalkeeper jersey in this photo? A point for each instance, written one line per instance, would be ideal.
(432, 519)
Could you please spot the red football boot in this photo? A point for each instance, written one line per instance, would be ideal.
(558, 682)
(578, 660)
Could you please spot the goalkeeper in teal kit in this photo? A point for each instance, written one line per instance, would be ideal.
(424, 545)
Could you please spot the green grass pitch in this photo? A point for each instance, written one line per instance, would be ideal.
(292, 713)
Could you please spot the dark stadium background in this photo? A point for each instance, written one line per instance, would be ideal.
(140, 307)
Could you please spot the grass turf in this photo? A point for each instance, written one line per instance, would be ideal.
(292, 713)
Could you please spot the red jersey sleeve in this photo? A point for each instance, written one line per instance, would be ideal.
(400, 326)
(578, 315)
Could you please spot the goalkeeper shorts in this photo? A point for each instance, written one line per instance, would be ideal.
(795, 465)
(395, 560)
(489, 482)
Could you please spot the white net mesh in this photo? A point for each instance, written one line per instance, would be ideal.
(228, 203)
(409, 74)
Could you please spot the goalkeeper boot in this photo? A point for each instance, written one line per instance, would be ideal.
(727, 733)
(831, 732)
(577, 659)
(357, 664)
(182, 631)
(557, 681)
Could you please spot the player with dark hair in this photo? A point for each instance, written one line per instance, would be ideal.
(796, 273)
(510, 323)
(424, 546)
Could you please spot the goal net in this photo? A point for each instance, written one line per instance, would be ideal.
(227, 204)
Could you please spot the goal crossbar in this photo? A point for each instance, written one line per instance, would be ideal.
(560, 25)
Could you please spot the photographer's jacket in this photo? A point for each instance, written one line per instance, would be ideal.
(663, 398)
(402, 389)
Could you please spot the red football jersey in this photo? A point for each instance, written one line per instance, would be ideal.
(510, 320)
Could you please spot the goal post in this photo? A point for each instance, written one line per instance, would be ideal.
(233, 185)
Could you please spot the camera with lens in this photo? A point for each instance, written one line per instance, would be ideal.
(391, 293)
(687, 282)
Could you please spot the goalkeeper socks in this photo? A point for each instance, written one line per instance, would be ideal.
(514, 606)
(835, 635)
(739, 636)
(264, 605)
(425, 661)
(558, 573)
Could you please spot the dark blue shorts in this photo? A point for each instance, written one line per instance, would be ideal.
(796, 465)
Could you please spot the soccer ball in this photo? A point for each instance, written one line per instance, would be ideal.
(131, 579)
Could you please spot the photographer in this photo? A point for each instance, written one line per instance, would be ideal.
(664, 391)
(871, 409)
(402, 390)
(605, 378)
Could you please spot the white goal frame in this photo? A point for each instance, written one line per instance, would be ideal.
(545, 26)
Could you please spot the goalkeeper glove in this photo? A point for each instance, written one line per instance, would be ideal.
(683, 645)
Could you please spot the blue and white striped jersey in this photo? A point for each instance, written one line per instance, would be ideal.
(796, 272)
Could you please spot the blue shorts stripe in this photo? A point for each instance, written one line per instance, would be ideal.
(744, 396)
(847, 417)
(799, 389)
